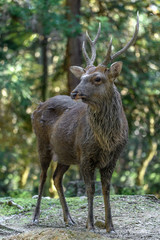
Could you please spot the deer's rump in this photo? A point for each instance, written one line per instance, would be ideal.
(59, 119)
(48, 111)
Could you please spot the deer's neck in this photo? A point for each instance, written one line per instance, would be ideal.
(108, 121)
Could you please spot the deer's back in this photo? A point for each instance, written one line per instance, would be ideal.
(63, 126)
(56, 123)
(48, 112)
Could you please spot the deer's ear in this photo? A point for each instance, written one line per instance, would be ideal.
(115, 69)
(77, 71)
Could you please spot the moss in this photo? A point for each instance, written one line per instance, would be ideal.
(52, 206)
(28, 205)
(6, 209)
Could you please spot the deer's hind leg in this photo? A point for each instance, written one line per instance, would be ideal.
(45, 157)
(57, 177)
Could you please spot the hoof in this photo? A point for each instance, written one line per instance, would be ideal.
(70, 222)
(111, 231)
(110, 228)
(35, 222)
(90, 227)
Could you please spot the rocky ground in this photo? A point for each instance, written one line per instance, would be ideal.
(134, 217)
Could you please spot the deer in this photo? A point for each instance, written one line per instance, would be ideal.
(91, 132)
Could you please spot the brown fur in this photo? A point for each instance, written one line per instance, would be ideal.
(91, 133)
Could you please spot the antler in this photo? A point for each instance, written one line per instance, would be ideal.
(110, 58)
(92, 44)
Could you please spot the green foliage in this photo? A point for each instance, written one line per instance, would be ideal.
(24, 25)
(124, 190)
(19, 193)
(139, 83)
(28, 204)
(6, 209)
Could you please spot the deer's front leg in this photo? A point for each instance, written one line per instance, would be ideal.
(88, 175)
(106, 174)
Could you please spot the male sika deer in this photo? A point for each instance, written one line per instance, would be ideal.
(91, 133)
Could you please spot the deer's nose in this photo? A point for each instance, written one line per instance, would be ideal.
(74, 94)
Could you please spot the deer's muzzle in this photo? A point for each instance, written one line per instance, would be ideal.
(76, 95)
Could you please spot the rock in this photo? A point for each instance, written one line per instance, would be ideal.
(100, 224)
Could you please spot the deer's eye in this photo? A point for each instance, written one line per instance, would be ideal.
(97, 80)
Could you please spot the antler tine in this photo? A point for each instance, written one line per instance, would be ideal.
(93, 43)
(97, 36)
(91, 60)
(88, 60)
(131, 42)
(110, 58)
(108, 55)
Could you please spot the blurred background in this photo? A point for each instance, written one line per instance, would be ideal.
(39, 40)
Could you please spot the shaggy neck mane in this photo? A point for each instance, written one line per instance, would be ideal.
(107, 121)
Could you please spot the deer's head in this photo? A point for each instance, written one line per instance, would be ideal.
(96, 82)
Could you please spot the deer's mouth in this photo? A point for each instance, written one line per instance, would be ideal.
(76, 96)
(82, 97)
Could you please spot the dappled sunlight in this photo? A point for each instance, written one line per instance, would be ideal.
(34, 63)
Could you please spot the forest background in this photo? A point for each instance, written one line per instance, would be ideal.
(39, 40)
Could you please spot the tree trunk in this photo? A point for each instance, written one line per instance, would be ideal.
(45, 68)
(73, 53)
(145, 163)
(24, 177)
(150, 155)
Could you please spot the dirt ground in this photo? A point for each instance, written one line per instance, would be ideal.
(134, 218)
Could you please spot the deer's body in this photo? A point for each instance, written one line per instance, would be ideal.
(92, 136)
(75, 132)
(91, 133)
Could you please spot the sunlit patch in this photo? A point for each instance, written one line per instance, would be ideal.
(136, 132)
(124, 91)
(4, 92)
(5, 49)
(37, 54)
(57, 89)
